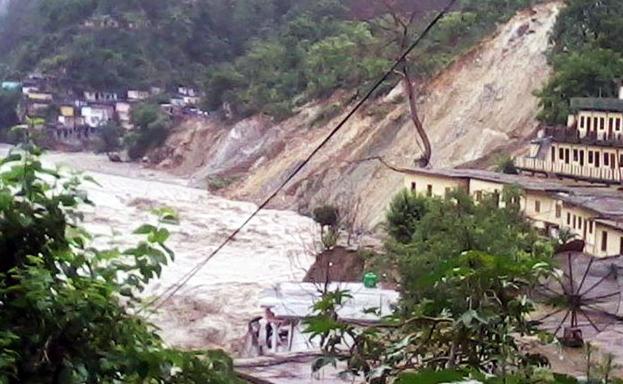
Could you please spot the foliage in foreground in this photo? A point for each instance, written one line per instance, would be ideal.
(464, 271)
(65, 307)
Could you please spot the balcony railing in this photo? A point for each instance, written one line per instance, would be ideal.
(574, 136)
(571, 170)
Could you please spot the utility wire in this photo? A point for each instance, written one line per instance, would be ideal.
(168, 293)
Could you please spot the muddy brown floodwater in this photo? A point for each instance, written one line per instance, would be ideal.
(213, 309)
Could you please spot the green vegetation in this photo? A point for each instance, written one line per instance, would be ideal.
(259, 56)
(443, 229)
(464, 269)
(109, 139)
(586, 56)
(67, 307)
(151, 129)
(506, 164)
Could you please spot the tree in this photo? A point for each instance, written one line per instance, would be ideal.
(405, 211)
(110, 135)
(586, 73)
(152, 128)
(400, 26)
(464, 274)
(587, 41)
(67, 307)
(456, 224)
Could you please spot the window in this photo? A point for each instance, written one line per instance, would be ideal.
(553, 154)
(597, 160)
(429, 190)
(590, 157)
(478, 195)
(604, 241)
(590, 227)
(576, 156)
(568, 218)
(606, 159)
(413, 186)
(621, 246)
(602, 123)
(537, 206)
(579, 223)
(567, 155)
(561, 154)
(558, 211)
(582, 121)
(581, 157)
(496, 197)
(617, 124)
(574, 221)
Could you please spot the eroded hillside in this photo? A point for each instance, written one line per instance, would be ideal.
(481, 105)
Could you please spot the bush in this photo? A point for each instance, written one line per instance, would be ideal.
(151, 129)
(109, 137)
(405, 211)
(68, 309)
(327, 216)
(506, 164)
(326, 114)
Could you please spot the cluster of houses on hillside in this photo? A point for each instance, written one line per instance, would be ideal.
(571, 178)
(73, 118)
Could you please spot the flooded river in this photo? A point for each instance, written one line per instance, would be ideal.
(213, 309)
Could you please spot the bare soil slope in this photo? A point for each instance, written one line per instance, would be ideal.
(480, 105)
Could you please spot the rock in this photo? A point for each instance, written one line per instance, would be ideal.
(114, 157)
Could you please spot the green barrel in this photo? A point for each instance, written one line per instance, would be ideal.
(370, 280)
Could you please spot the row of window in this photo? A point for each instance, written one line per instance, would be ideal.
(599, 123)
(594, 158)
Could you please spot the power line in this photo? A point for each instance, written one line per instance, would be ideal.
(168, 293)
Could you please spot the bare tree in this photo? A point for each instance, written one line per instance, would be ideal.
(399, 25)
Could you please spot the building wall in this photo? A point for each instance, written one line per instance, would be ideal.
(613, 241)
(544, 210)
(432, 185)
(600, 122)
(580, 222)
(588, 156)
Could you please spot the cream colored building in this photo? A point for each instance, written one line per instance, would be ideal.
(594, 215)
(589, 148)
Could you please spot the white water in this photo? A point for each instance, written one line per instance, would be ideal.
(213, 309)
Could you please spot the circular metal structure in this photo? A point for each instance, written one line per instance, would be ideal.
(581, 299)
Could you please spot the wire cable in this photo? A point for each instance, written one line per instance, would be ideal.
(168, 293)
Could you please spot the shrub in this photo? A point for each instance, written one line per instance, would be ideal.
(68, 309)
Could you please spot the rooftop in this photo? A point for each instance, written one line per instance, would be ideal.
(295, 300)
(607, 202)
(597, 104)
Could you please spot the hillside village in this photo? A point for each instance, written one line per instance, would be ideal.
(72, 120)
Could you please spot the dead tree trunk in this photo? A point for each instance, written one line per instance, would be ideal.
(409, 90)
(401, 28)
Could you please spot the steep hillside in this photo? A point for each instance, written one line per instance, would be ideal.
(481, 104)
